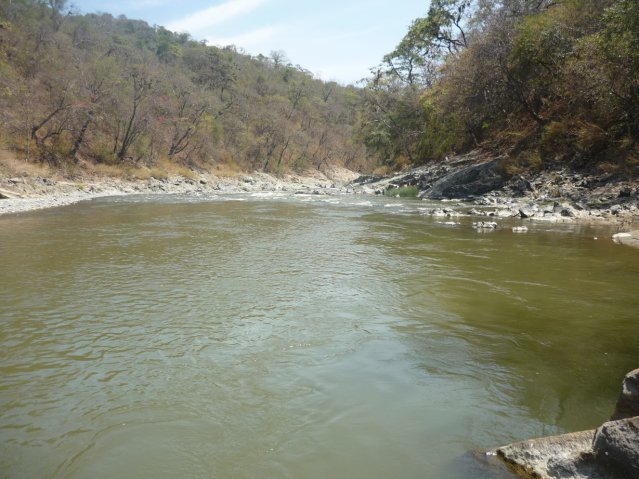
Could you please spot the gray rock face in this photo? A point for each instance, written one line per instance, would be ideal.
(610, 452)
(471, 181)
(526, 212)
(556, 457)
(628, 402)
(616, 446)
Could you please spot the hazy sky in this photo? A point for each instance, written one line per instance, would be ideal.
(335, 39)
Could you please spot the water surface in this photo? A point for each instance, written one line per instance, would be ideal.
(241, 336)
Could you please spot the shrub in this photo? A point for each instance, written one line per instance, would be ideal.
(403, 192)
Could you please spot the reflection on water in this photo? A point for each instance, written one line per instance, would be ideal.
(297, 337)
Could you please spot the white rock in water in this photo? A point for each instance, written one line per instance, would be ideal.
(485, 225)
(621, 235)
(505, 213)
(520, 229)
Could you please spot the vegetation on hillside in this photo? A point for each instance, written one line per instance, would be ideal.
(543, 83)
(546, 82)
(94, 89)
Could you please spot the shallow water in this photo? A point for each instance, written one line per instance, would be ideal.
(306, 336)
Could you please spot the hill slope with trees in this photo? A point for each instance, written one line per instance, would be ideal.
(119, 93)
(544, 83)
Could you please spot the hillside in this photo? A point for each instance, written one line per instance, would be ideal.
(541, 85)
(118, 95)
(546, 84)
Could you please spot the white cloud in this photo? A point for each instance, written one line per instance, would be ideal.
(215, 15)
(249, 40)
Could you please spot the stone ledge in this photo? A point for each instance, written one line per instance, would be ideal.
(551, 457)
(609, 452)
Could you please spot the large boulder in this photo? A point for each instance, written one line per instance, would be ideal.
(473, 180)
(609, 452)
(616, 446)
(628, 402)
(629, 239)
(554, 457)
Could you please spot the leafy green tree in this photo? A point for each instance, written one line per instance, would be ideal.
(442, 31)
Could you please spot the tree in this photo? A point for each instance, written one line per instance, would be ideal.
(442, 31)
(138, 83)
(97, 85)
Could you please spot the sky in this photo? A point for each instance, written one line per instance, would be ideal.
(335, 39)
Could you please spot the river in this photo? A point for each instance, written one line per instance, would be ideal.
(245, 336)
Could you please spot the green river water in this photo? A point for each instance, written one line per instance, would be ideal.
(272, 336)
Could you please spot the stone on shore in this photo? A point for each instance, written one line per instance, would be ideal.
(526, 212)
(8, 195)
(616, 446)
(471, 180)
(609, 452)
(555, 457)
(628, 239)
(628, 402)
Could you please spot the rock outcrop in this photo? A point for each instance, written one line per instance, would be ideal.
(548, 195)
(557, 457)
(470, 181)
(609, 452)
(616, 447)
(628, 402)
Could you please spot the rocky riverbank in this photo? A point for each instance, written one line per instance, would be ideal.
(608, 452)
(479, 184)
(25, 193)
(471, 185)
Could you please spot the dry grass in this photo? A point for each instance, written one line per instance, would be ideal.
(109, 171)
(162, 170)
(381, 171)
(591, 137)
(12, 166)
(524, 161)
(227, 170)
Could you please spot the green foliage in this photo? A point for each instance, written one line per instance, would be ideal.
(443, 131)
(301, 164)
(429, 39)
(403, 192)
(545, 82)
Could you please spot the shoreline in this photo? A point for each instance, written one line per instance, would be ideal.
(28, 193)
(24, 194)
